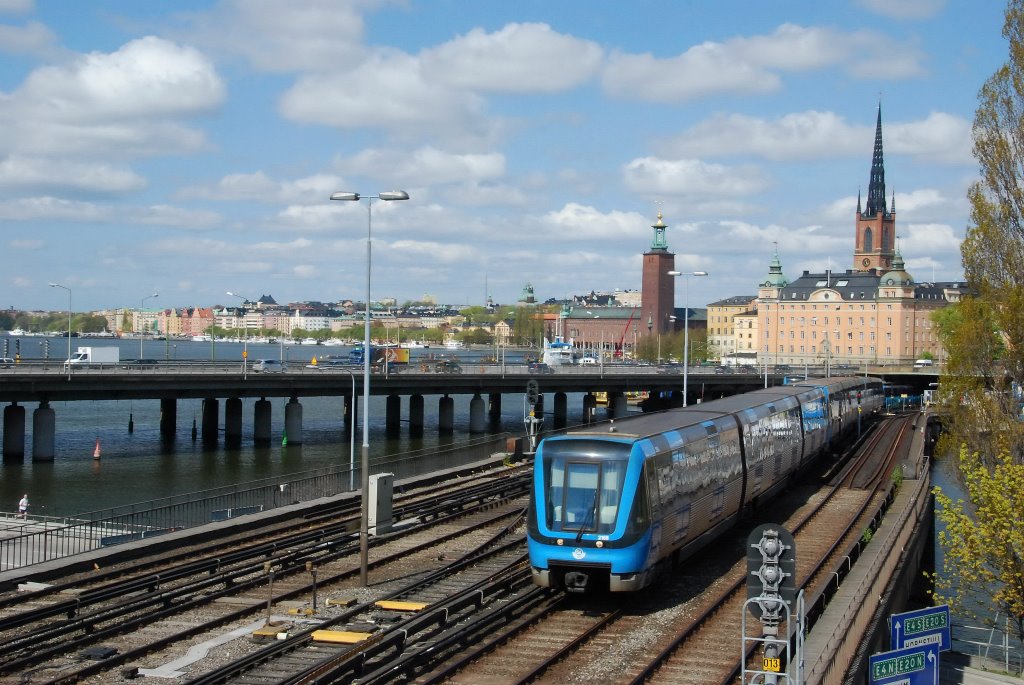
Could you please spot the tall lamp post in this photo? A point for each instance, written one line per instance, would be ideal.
(142, 308)
(245, 338)
(686, 325)
(64, 287)
(364, 466)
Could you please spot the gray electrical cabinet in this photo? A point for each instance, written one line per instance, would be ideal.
(382, 487)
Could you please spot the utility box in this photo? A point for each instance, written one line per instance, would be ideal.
(382, 486)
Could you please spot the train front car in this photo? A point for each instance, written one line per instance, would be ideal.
(611, 506)
(589, 521)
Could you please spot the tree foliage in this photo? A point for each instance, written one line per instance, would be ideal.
(983, 541)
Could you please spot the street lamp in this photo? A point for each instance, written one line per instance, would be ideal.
(142, 308)
(364, 522)
(245, 338)
(686, 324)
(64, 287)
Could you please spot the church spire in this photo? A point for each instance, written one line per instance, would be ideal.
(876, 186)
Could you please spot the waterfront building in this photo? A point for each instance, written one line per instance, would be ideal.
(723, 336)
(872, 314)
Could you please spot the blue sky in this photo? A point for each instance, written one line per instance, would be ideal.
(189, 148)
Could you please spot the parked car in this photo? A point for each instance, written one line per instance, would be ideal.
(723, 369)
(268, 366)
(6, 362)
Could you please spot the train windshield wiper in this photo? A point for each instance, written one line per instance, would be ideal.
(589, 516)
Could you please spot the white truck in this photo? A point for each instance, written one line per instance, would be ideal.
(95, 356)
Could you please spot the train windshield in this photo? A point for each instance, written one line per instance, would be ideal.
(583, 492)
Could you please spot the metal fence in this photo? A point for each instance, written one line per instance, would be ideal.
(991, 647)
(39, 539)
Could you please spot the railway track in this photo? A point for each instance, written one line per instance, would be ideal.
(209, 588)
(473, 620)
(686, 630)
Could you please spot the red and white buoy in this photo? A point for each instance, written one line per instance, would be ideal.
(96, 452)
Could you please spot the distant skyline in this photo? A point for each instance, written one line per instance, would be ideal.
(190, 148)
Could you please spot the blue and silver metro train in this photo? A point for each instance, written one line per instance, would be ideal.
(611, 503)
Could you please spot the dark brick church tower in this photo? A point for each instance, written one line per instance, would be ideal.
(657, 294)
(875, 246)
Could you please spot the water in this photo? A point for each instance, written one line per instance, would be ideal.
(139, 466)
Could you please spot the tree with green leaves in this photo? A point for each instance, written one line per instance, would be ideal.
(983, 542)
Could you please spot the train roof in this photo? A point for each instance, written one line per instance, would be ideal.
(645, 425)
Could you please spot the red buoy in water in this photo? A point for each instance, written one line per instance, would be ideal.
(96, 452)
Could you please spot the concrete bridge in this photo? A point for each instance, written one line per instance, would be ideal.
(212, 382)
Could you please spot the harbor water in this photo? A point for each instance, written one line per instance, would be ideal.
(137, 466)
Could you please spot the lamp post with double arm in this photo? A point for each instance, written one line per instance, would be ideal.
(364, 475)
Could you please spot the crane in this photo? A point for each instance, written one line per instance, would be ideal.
(622, 338)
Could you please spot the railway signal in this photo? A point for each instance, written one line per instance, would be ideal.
(771, 594)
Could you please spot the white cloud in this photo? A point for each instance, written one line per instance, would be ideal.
(752, 65)
(258, 187)
(284, 36)
(41, 174)
(33, 38)
(806, 135)
(691, 177)
(16, 6)
(305, 271)
(26, 244)
(386, 92)
(440, 167)
(51, 208)
(577, 222)
(121, 103)
(518, 58)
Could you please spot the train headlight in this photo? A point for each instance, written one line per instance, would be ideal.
(600, 544)
(559, 542)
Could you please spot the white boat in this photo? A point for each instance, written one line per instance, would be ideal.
(201, 338)
(454, 345)
(16, 332)
(558, 352)
(415, 345)
(309, 341)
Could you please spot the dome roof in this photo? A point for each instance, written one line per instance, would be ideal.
(776, 279)
(898, 274)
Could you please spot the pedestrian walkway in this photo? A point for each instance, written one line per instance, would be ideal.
(960, 669)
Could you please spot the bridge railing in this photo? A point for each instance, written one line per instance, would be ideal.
(38, 539)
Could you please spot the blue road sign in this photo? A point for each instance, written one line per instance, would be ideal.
(910, 666)
(921, 627)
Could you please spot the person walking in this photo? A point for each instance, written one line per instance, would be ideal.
(23, 506)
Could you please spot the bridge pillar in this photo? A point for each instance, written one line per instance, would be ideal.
(168, 418)
(477, 424)
(446, 415)
(261, 422)
(416, 415)
(494, 407)
(211, 408)
(293, 421)
(617, 406)
(232, 422)
(589, 408)
(561, 410)
(44, 429)
(14, 431)
(393, 415)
